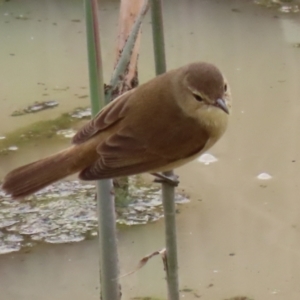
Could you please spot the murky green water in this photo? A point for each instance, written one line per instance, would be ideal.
(239, 235)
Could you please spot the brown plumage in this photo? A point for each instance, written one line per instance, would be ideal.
(160, 125)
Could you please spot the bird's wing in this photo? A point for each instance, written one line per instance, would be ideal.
(108, 116)
(122, 155)
(131, 149)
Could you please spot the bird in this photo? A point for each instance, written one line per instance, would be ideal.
(155, 127)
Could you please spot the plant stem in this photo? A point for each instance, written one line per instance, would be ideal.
(125, 56)
(168, 195)
(168, 191)
(158, 37)
(109, 269)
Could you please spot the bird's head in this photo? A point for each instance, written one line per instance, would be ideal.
(207, 86)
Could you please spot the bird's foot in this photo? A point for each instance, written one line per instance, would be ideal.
(162, 178)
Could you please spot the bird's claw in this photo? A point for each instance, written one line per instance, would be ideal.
(162, 178)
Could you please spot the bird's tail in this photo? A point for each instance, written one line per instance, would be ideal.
(30, 178)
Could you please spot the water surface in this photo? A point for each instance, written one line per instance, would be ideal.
(239, 235)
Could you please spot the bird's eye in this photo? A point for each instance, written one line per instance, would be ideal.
(198, 98)
(225, 87)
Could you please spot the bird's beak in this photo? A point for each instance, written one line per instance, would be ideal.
(221, 104)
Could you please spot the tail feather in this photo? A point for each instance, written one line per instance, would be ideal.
(30, 178)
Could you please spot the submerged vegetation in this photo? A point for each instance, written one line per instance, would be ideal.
(42, 130)
(36, 107)
(65, 212)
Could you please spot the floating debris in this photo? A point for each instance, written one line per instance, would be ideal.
(12, 148)
(7, 222)
(65, 212)
(239, 298)
(282, 6)
(36, 107)
(264, 176)
(7, 248)
(275, 292)
(57, 88)
(64, 238)
(81, 113)
(2, 137)
(21, 17)
(13, 238)
(289, 9)
(83, 96)
(67, 133)
(207, 158)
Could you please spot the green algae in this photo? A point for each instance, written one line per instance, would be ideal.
(38, 131)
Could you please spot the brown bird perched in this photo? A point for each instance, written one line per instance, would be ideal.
(155, 127)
